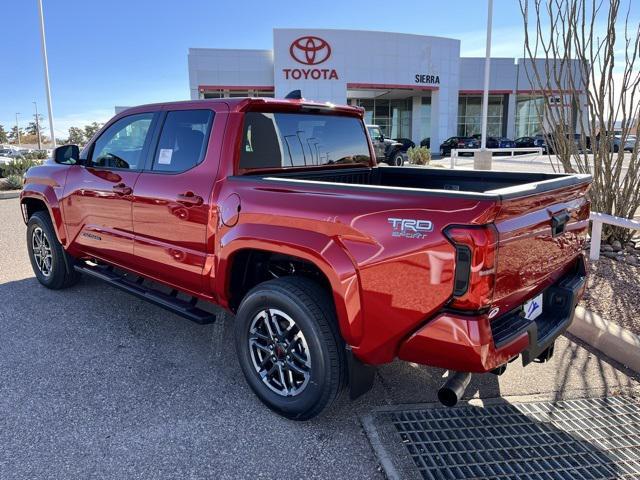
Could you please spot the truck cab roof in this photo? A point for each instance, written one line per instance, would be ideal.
(244, 104)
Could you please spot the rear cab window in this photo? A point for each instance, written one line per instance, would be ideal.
(183, 141)
(287, 140)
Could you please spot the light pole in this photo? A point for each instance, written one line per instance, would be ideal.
(46, 73)
(482, 158)
(487, 71)
(18, 128)
(37, 126)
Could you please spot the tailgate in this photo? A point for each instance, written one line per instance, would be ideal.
(539, 238)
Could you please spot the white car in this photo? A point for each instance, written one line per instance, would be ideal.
(5, 160)
(8, 152)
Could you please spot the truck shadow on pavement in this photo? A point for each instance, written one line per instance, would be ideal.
(94, 382)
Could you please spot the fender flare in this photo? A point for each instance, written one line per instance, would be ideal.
(47, 195)
(325, 252)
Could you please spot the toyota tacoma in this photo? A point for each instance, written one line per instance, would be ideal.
(276, 211)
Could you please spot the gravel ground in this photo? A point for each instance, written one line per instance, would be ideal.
(95, 383)
(613, 292)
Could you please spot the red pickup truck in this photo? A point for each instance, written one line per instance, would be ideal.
(276, 211)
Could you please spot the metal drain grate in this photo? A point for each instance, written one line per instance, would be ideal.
(574, 439)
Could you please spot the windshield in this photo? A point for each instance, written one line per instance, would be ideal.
(285, 140)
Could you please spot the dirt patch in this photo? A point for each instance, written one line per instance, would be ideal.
(613, 292)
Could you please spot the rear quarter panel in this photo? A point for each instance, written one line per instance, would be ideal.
(402, 281)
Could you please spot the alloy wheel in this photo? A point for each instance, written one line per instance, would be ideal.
(279, 352)
(42, 251)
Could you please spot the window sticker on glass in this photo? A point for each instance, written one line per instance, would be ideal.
(165, 156)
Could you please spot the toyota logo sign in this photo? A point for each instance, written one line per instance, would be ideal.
(310, 50)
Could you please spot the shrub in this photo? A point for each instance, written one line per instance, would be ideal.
(13, 182)
(419, 155)
(18, 166)
(37, 155)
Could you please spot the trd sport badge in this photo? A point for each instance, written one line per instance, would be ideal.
(410, 228)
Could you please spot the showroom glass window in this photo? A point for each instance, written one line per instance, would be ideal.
(470, 115)
(277, 140)
(527, 120)
(392, 115)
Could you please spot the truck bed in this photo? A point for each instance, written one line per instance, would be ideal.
(457, 183)
(521, 206)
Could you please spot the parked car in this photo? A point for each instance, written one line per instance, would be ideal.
(457, 142)
(386, 149)
(628, 145)
(426, 142)
(631, 141)
(10, 152)
(406, 144)
(496, 142)
(276, 211)
(537, 141)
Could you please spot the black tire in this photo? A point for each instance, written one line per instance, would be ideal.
(57, 272)
(396, 159)
(311, 308)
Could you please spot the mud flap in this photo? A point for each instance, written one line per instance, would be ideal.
(361, 376)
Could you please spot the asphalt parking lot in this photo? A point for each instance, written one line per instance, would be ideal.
(95, 383)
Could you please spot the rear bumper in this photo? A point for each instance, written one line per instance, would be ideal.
(477, 344)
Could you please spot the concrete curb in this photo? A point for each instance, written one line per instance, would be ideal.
(611, 339)
(9, 194)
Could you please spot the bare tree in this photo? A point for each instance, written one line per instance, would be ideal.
(583, 54)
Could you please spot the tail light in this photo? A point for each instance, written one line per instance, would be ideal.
(475, 271)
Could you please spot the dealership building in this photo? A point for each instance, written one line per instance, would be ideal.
(413, 86)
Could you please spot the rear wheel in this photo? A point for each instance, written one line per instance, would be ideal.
(397, 160)
(289, 347)
(52, 266)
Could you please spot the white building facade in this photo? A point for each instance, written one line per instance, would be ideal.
(413, 86)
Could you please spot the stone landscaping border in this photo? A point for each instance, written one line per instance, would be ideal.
(628, 253)
(611, 339)
(9, 194)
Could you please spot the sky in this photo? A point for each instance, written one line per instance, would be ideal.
(129, 52)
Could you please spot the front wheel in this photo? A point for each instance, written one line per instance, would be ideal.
(289, 347)
(51, 264)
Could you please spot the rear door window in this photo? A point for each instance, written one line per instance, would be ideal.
(285, 140)
(183, 141)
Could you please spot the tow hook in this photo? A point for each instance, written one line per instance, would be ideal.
(546, 355)
(499, 370)
(454, 388)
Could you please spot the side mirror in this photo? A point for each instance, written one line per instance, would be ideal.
(381, 138)
(67, 154)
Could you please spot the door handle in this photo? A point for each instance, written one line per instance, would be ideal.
(189, 198)
(122, 189)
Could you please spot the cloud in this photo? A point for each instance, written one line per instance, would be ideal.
(63, 122)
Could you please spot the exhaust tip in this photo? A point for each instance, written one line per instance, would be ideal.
(447, 397)
(454, 388)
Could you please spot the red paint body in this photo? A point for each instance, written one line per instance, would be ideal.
(391, 294)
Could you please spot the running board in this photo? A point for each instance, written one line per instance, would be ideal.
(171, 302)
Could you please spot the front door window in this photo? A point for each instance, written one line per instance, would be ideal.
(122, 144)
